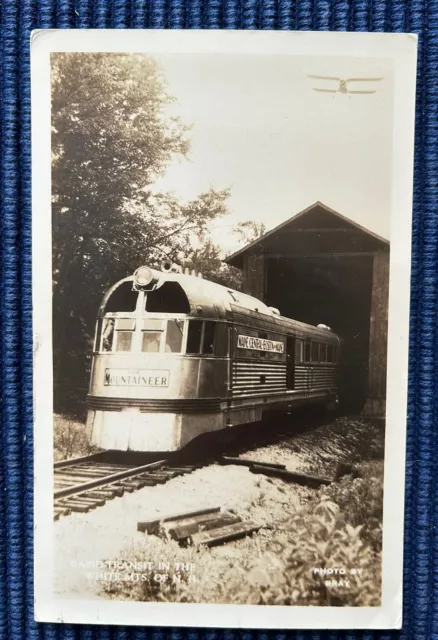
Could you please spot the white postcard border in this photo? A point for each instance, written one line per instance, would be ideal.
(401, 48)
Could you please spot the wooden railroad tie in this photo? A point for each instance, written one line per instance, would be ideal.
(245, 462)
(292, 476)
(206, 526)
(277, 471)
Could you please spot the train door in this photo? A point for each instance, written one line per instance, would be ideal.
(290, 362)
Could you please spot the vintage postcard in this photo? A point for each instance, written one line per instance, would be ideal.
(221, 263)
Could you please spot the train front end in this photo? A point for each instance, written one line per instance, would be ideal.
(159, 365)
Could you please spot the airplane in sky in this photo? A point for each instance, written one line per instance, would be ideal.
(343, 84)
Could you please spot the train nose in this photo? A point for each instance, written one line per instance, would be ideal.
(134, 430)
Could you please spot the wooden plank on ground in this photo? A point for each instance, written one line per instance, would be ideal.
(291, 476)
(245, 462)
(183, 529)
(224, 534)
(153, 526)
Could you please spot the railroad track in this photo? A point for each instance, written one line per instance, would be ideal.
(85, 483)
(82, 484)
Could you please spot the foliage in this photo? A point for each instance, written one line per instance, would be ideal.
(71, 439)
(206, 260)
(111, 138)
(277, 569)
(361, 496)
(249, 231)
(319, 540)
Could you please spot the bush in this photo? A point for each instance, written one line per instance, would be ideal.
(314, 542)
(361, 498)
(285, 568)
(70, 438)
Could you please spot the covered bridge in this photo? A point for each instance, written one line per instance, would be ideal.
(321, 267)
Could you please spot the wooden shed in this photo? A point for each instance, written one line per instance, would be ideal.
(321, 267)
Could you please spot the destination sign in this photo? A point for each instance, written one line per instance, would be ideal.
(136, 378)
(259, 344)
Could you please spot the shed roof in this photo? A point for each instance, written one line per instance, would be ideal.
(312, 231)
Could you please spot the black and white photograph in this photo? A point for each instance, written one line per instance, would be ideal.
(221, 246)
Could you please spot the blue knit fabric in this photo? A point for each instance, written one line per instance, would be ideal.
(18, 18)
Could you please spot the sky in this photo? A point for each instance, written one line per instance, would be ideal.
(260, 129)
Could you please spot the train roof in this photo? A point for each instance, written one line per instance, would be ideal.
(208, 299)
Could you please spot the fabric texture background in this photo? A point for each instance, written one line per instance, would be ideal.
(18, 18)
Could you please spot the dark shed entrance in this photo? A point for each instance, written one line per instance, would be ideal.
(320, 267)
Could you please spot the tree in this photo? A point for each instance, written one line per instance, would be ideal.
(111, 138)
(207, 260)
(249, 231)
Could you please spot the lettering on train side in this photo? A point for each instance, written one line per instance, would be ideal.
(136, 378)
(259, 344)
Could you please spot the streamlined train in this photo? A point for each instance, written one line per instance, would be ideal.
(176, 356)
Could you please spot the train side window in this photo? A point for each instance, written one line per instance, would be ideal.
(331, 353)
(221, 340)
(307, 352)
(152, 332)
(298, 350)
(108, 334)
(315, 355)
(194, 337)
(98, 335)
(322, 353)
(209, 337)
(174, 335)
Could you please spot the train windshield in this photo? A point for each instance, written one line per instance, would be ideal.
(151, 335)
(169, 298)
(129, 324)
(161, 335)
(124, 298)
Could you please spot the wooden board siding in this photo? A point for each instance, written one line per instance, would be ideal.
(254, 276)
(375, 405)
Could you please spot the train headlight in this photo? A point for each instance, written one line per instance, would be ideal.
(143, 276)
